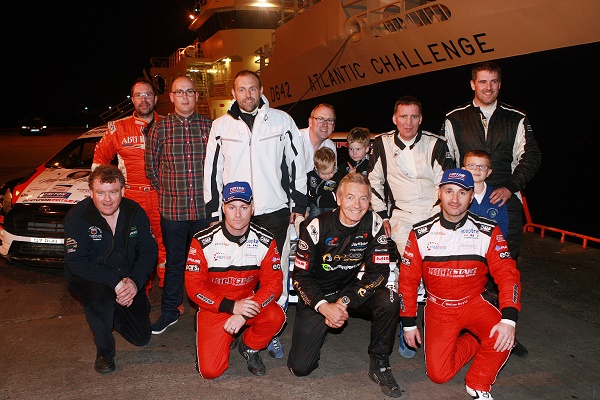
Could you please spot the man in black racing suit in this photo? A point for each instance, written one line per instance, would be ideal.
(332, 248)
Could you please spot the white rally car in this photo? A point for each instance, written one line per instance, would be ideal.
(33, 208)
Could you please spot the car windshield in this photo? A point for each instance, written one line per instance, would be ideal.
(77, 154)
(33, 121)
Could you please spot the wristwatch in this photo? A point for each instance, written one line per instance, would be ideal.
(345, 300)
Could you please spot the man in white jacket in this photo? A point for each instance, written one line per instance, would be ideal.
(262, 146)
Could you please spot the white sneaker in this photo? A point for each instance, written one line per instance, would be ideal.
(479, 394)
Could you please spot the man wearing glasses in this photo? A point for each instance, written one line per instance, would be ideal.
(262, 146)
(175, 167)
(320, 126)
(126, 137)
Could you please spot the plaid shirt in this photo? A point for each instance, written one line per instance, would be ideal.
(175, 152)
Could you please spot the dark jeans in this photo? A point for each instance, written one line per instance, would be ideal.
(383, 307)
(103, 314)
(514, 237)
(277, 223)
(177, 236)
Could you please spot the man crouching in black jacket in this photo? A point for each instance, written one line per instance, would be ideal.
(110, 251)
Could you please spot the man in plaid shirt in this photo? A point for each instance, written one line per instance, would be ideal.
(175, 154)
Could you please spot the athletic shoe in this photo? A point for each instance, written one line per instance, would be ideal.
(403, 349)
(479, 394)
(519, 350)
(275, 348)
(380, 372)
(253, 360)
(162, 323)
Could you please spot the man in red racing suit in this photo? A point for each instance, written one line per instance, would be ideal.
(452, 252)
(126, 138)
(225, 264)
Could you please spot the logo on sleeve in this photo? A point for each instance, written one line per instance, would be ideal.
(71, 245)
(381, 258)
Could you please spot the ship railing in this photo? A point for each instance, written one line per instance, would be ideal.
(291, 8)
(530, 227)
(394, 17)
(122, 109)
(193, 50)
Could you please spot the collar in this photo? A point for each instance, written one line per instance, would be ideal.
(239, 240)
(398, 142)
(452, 225)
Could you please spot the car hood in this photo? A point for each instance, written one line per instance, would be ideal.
(63, 186)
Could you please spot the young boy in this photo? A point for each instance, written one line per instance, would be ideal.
(322, 183)
(359, 146)
(479, 163)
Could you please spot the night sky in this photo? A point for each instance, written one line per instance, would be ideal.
(58, 57)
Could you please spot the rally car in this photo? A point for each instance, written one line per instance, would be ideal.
(33, 207)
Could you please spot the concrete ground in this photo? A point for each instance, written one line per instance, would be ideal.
(47, 352)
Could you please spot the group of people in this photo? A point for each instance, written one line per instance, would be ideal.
(206, 205)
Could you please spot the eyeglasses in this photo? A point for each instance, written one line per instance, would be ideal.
(146, 95)
(184, 93)
(322, 120)
(473, 167)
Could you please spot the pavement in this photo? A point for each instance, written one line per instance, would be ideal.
(47, 352)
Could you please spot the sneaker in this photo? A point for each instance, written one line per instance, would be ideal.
(104, 365)
(403, 349)
(162, 323)
(380, 372)
(479, 394)
(519, 350)
(253, 360)
(275, 348)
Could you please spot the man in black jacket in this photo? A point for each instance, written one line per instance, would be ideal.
(110, 251)
(505, 133)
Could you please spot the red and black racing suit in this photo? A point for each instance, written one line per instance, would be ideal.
(222, 268)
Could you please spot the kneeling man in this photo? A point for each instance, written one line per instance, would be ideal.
(110, 252)
(225, 264)
(332, 248)
(453, 252)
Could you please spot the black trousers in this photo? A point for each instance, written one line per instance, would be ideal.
(514, 237)
(382, 307)
(103, 314)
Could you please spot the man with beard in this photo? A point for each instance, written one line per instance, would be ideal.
(262, 146)
(126, 138)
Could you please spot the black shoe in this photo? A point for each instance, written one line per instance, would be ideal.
(380, 372)
(519, 350)
(253, 360)
(104, 365)
(162, 323)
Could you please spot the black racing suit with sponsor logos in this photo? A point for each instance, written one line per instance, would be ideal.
(328, 261)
